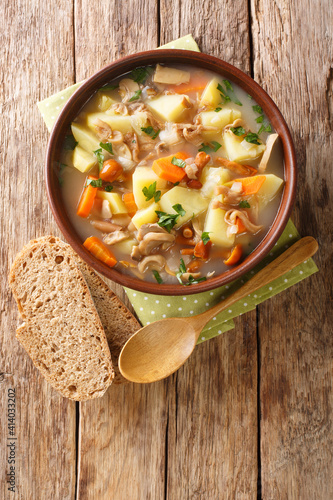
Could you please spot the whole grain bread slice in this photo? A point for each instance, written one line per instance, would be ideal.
(62, 332)
(118, 322)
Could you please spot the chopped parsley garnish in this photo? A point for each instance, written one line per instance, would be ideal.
(150, 192)
(205, 237)
(140, 75)
(95, 183)
(260, 119)
(178, 162)
(107, 146)
(61, 169)
(217, 110)
(265, 128)
(212, 146)
(108, 188)
(252, 138)
(194, 281)
(228, 85)
(168, 221)
(108, 87)
(100, 157)
(238, 130)
(249, 96)
(182, 270)
(150, 131)
(157, 277)
(176, 183)
(220, 88)
(136, 96)
(70, 143)
(257, 109)
(244, 204)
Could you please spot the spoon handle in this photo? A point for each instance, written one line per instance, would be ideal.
(300, 251)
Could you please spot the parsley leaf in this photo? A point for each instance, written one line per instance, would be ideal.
(260, 119)
(108, 87)
(238, 130)
(205, 237)
(257, 109)
(220, 88)
(107, 146)
(136, 96)
(94, 183)
(178, 162)
(252, 138)
(157, 277)
(70, 143)
(244, 204)
(108, 188)
(179, 209)
(216, 145)
(217, 110)
(150, 131)
(194, 281)
(249, 96)
(168, 221)
(228, 85)
(205, 147)
(150, 192)
(182, 270)
(100, 157)
(265, 128)
(139, 75)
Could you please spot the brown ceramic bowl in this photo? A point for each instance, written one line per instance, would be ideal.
(87, 89)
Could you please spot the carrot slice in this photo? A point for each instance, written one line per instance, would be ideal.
(201, 250)
(196, 83)
(187, 251)
(235, 255)
(167, 170)
(240, 226)
(100, 251)
(86, 201)
(128, 199)
(251, 185)
(194, 184)
(111, 170)
(194, 266)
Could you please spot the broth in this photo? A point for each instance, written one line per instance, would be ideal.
(220, 193)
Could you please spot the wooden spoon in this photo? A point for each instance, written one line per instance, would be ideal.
(159, 349)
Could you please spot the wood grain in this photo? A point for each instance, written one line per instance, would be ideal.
(36, 60)
(293, 60)
(122, 436)
(212, 416)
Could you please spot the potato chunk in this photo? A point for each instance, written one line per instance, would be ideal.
(116, 122)
(211, 177)
(191, 200)
(170, 108)
(174, 76)
(116, 203)
(236, 150)
(146, 215)
(219, 119)
(211, 96)
(144, 177)
(82, 160)
(216, 226)
(87, 140)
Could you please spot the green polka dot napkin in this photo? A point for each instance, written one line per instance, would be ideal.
(153, 307)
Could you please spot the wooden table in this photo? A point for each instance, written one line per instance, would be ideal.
(251, 413)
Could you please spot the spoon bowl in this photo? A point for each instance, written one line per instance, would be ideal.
(160, 348)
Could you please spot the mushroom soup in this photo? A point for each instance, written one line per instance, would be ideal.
(171, 174)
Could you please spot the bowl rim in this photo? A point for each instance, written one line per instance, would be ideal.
(173, 56)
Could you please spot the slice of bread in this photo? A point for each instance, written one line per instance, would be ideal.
(62, 331)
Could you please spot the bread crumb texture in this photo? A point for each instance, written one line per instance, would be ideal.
(62, 333)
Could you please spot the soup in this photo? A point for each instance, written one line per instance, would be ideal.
(171, 174)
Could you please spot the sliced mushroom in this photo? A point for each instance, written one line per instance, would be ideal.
(150, 228)
(236, 167)
(103, 129)
(135, 254)
(156, 262)
(117, 137)
(151, 241)
(106, 227)
(115, 237)
(127, 88)
(120, 108)
(267, 153)
(239, 122)
(231, 216)
(186, 276)
(106, 210)
(172, 76)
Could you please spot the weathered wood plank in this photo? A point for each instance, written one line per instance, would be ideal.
(122, 436)
(293, 60)
(36, 59)
(212, 419)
